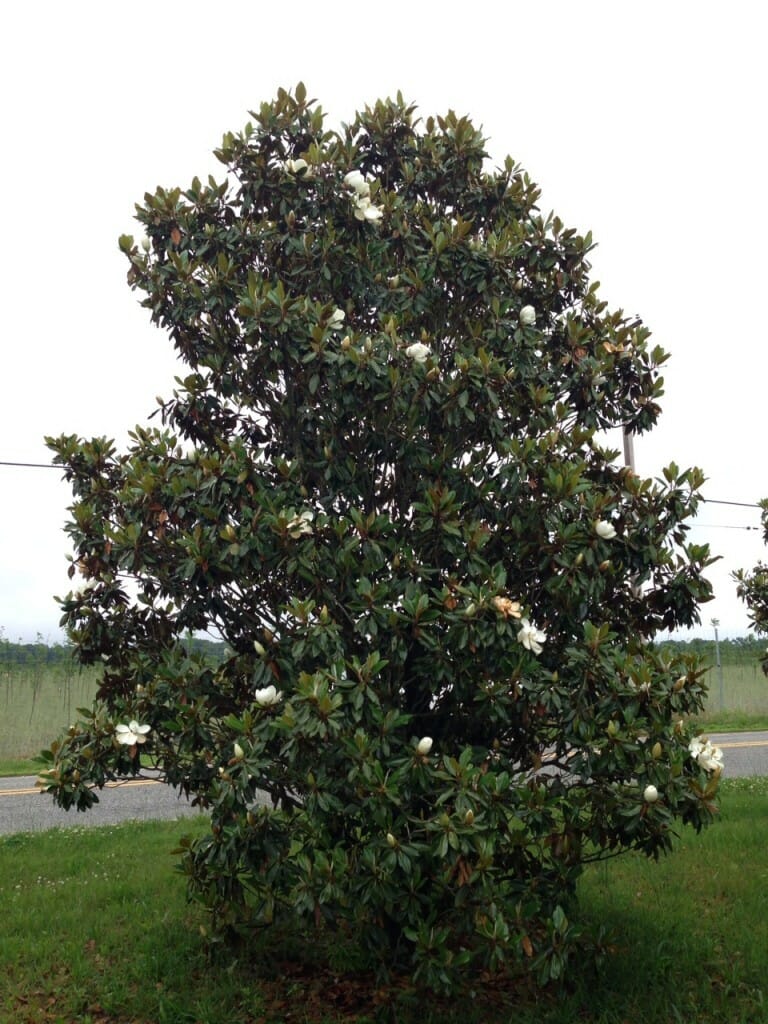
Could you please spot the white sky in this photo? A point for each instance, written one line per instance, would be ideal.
(644, 122)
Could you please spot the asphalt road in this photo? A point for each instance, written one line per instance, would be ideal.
(744, 753)
(23, 808)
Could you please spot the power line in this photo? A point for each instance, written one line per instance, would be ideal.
(741, 504)
(721, 526)
(707, 501)
(31, 465)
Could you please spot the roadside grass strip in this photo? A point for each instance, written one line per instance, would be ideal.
(96, 928)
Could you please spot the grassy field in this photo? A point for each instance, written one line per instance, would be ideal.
(744, 690)
(96, 929)
(38, 700)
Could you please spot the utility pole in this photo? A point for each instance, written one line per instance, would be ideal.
(629, 450)
(629, 462)
(715, 623)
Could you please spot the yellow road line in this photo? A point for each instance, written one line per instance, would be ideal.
(109, 785)
(156, 782)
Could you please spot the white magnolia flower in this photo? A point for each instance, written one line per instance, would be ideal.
(300, 524)
(132, 733)
(295, 166)
(650, 794)
(357, 183)
(365, 209)
(708, 756)
(530, 637)
(267, 697)
(527, 316)
(336, 319)
(605, 530)
(86, 588)
(696, 746)
(424, 745)
(418, 352)
(711, 759)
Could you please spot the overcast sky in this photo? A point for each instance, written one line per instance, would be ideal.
(642, 122)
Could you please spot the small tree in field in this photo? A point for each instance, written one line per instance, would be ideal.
(382, 484)
(752, 588)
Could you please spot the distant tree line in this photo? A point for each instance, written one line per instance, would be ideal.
(742, 650)
(737, 651)
(41, 654)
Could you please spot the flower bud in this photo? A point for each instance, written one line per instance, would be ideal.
(527, 316)
(391, 841)
(679, 684)
(656, 751)
(259, 648)
(469, 817)
(239, 752)
(650, 794)
(425, 745)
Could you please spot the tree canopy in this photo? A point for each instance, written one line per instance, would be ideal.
(752, 588)
(384, 483)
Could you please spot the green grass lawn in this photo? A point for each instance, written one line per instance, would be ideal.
(96, 929)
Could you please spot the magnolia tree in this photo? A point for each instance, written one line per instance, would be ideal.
(752, 588)
(383, 482)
